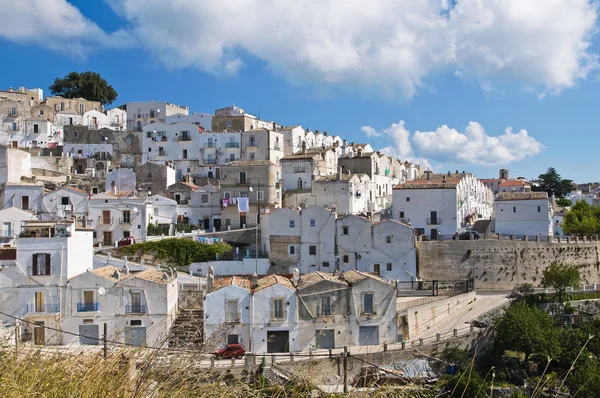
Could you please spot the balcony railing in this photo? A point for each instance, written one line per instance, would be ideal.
(278, 316)
(106, 220)
(126, 220)
(243, 181)
(299, 169)
(41, 308)
(210, 145)
(184, 138)
(277, 147)
(434, 221)
(209, 161)
(39, 271)
(232, 145)
(162, 153)
(135, 309)
(87, 307)
(232, 317)
(368, 310)
(253, 144)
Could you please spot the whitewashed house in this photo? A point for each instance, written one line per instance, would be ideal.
(392, 251)
(227, 311)
(442, 204)
(202, 119)
(164, 210)
(65, 203)
(24, 196)
(124, 180)
(372, 314)
(140, 114)
(11, 219)
(523, 213)
(14, 164)
(137, 307)
(205, 207)
(273, 324)
(48, 254)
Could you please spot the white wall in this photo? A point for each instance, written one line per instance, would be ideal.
(124, 178)
(524, 217)
(11, 219)
(215, 308)
(261, 317)
(54, 209)
(246, 266)
(415, 206)
(13, 196)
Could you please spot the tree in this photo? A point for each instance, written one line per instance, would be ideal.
(554, 184)
(528, 330)
(561, 276)
(88, 85)
(582, 220)
(563, 202)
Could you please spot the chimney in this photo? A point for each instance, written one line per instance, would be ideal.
(303, 147)
(254, 282)
(10, 89)
(345, 143)
(210, 278)
(116, 275)
(113, 188)
(295, 276)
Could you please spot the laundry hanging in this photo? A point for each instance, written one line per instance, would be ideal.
(243, 205)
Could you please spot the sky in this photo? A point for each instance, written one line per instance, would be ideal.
(466, 85)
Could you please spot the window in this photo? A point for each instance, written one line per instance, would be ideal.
(277, 308)
(41, 264)
(204, 198)
(148, 134)
(25, 202)
(13, 111)
(36, 128)
(149, 149)
(346, 258)
(313, 223)
(75, 134)
(126, 234)
(312, 250)
(14, 126)
(231, 311)
(161, 151)
(252, 141)
(64, 200)
(136, 322)
(539, 209)
(232, 157)
(139, 112)
(40, 302)
(62, 106)
(126, 217)
(368, 306)
(41, 112)
(260, 195)
(149, 175)
(185, 154)
(514, 209)
(388, 266)
(325, 264)
(106, 219)
(243, 179)
(228, 123)
(401, 214)
(326, 306)
(345, 230)
(227, 195)
(252, 156)
(292, 223)
(292, 250)
(388, 239)
(243, 194)
(81, 108)
(408, 199)
(152, 113)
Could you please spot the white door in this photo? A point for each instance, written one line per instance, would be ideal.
(6, 230)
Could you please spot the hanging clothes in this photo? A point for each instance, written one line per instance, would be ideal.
(225, 202)
(243, 205)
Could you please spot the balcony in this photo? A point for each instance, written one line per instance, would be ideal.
(162, 153)
(232, 145)
(184, 138)
(41, 308)
(232, 317)
(368, 310)
(87, 307)
(135, 309)
(106, 220)
(210, 145)
(278, 316)
(434, 221)
(298, 169)
(126, 220)
(39, 271)
(253, 144)
(209, 161)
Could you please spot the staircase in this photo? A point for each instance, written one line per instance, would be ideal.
(188, 329)
(482, 226)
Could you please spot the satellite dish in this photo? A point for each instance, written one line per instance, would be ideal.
(68, 229)
(101, 291)
(135, 210)
(333, 298)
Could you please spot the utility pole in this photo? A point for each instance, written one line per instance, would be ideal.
(105, 341)
(345, 366)
(257, 225)
(17, 338)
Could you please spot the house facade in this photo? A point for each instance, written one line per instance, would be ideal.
(523, 213)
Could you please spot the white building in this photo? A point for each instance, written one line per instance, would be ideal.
(35, 286)
(205, 207)
(202, 119)
(65, 203)
(164, 210)
(14, 164)
(557, 220)
(137, 307)
(24, 196)
(442, 204)
(514, 186)
(523, 213)
(124, 179)
(12, 218)
(117, 217)
(140, 114)
(37, 134)
(162, 142)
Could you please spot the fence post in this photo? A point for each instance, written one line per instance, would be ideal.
(291, 357)
(272, 359)
(403, 344)
(212, 362)
(232, 362)
(384, 347)
(472, 329)
(421, 341)
(330, 353)
(438, 337)
(455, 332)
(310, 355)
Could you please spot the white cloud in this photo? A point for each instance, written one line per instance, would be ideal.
(390, 47)
(447, 145)
(56, 25)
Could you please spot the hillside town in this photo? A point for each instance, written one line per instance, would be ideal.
(331, 244)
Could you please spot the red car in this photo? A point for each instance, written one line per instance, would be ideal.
(127, 241)
(230, 351)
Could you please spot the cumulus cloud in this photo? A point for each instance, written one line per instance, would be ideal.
(55, 24)
(389, 47)
(447, 145)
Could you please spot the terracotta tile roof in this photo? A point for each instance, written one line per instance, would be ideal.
(152, 275)
(316, 277)
(108, 272)
(354, 276)
(231, 281)
(271, 280)
(394, 221)
(299, 156)
(74, 190)
(521, 196)
(343, 177)
(8, 254)
(424, 184)
(484, 180)
(251, 163)
(514, 184)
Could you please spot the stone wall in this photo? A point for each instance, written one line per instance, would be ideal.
(502, 264)
(52, 165)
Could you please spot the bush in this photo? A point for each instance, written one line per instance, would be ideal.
(177, 251)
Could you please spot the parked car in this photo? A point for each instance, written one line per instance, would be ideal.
(127, 241)
(230, 351)
(467, 235)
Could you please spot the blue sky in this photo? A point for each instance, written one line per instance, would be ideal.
(399, 74)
